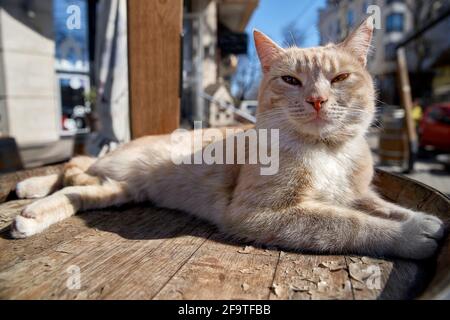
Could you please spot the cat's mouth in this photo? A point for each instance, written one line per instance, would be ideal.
(318, 120)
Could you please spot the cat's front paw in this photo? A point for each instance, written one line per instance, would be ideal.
(23, 227)
(420, 235)
(29, 222)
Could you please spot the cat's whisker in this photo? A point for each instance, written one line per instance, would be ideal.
(306, 203)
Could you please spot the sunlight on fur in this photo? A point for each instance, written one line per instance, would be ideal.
(322, 102)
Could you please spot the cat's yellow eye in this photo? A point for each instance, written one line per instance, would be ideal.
(340, 77)
(291, 80)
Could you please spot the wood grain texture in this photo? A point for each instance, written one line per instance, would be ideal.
(8, 181)
(154, 31)
(220, 270)
(405, 94)
(143, 252)
(311, 277)
(117, 257)
(416, 195)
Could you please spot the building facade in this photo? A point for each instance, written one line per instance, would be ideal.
(48, 72)
(44, 76)
(28, 99)
(213, 36)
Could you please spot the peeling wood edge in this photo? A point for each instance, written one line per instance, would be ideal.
(439, 286)
(399, 176)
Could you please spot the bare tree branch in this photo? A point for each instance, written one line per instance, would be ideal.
(247, 74)
(293, 35)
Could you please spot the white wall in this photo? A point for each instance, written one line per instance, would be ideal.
(28, 105)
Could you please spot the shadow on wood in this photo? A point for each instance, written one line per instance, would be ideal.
(143, 252)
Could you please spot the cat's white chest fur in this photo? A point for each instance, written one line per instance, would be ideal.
(330, 171)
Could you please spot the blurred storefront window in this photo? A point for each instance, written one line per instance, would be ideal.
(72, 64)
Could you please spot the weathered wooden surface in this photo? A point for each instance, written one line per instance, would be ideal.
(142, 252)
(8, 181)
(418, 196)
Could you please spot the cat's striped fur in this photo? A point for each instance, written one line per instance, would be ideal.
(320, 200)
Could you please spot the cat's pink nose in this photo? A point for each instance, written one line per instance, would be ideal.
(316, 102)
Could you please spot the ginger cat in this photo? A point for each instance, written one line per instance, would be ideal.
(322, 101)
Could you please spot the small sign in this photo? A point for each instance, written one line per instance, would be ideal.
(233, 43)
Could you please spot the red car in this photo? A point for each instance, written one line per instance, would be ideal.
(434, 129)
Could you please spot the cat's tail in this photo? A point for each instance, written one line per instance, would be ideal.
(73, 174)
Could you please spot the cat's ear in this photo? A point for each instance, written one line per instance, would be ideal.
(358, 42)
(266, 48)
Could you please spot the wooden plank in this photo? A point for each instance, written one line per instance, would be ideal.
(408, 279)
(150, 275)
(116, 257)
(311, 277)
(83, 225)
(388, 187)
(56, 257)
(154, 33)
(368, 276)
(222, 270)
(9, 210)
(141, 252)
(305, 277)
(407, 104)
(8, 181)
(413, 194)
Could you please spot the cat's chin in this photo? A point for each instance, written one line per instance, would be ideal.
(320, 131)
(318, 122)
(316, 127)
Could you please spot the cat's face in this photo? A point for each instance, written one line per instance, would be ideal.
(324, 92)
